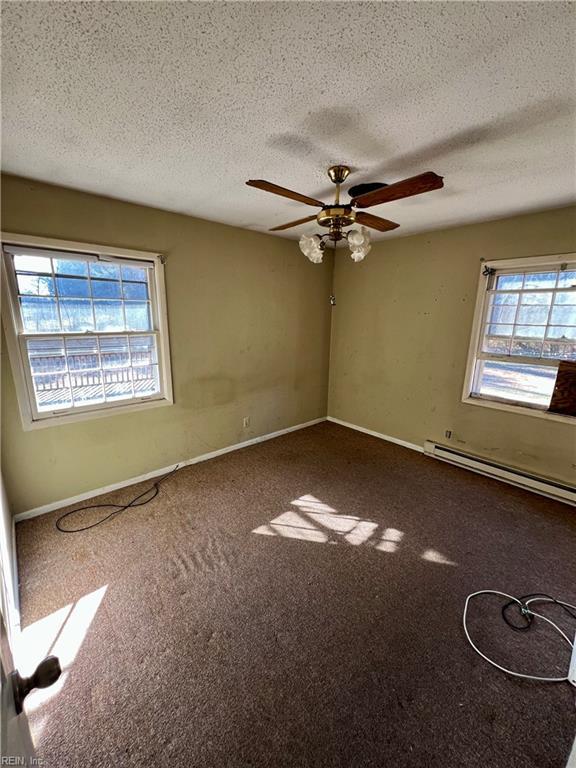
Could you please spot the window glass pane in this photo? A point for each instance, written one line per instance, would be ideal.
(114, 352)
(505, 298)
(104, 269)
(105, 289)
(82, 354)
(540, 280)
(46, 355)
(117, 384)
(524, 383)
(565, 332)
(137, 316)
(537, 298)
(32, 264)
(145, 380)
(509, 282)
(530, 331)
(71, 286)
(502, 313)
(143, 350)
(109, 316)
(52, 391)
(70, 267)
(500, 330)
(565, 315)
(135, 290)
(87, 387)
(39, 314)
(532, 314)
(35, 285)
(567, 279)
(560, 350)
(76, 315)
(526, 348)
(87, 383)
(496, 345)
(565, 297)
(115, 298)
(135, 273)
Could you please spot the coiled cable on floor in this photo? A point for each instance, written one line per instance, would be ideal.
(529, 614)
(117, 509)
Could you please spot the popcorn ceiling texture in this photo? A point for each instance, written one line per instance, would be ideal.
(216, 647)
(175, 105)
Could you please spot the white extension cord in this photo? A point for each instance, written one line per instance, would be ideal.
(526, 611)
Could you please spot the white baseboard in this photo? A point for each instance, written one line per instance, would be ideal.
(389, 438)
(45, 508)
(15, 576)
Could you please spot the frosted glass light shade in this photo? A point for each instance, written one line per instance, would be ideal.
(359, 242)
(355, 237)
(309, 243)
(310, 247)
(358, 254)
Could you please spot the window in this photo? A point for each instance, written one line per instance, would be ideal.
(525, 324)
(88, 330)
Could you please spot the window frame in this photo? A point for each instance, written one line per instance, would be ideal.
(482, 303)
(16, 340)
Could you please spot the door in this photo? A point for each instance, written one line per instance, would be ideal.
(15, 738)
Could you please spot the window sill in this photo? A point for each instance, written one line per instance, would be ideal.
(99, 413)
(519, 409)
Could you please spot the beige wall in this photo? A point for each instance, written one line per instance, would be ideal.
(249, 328)
(250, 333)
(400, 337)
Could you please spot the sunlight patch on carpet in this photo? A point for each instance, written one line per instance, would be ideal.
(60, 634)
(318, 522)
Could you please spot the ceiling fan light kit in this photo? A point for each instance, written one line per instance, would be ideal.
(312, 246)
(336, 216)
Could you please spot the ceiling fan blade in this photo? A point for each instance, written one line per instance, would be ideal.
(382, 225)
(267, 186)
(415, 185)
(293, 223)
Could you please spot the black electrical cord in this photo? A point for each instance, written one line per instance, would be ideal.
(525, 613)
(116, 508)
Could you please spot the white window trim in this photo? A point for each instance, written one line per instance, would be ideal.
(551, 260)
(20, 366)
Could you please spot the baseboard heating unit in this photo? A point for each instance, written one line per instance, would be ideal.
(545, 486)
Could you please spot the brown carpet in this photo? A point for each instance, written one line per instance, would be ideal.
(245, 624)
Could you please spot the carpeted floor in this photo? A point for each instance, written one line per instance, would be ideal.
(299, 603)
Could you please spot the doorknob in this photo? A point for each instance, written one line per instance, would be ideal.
(47, 672)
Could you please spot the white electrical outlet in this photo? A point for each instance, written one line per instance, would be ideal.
(246, 421)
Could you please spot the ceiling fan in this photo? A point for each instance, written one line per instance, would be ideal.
(336, 216)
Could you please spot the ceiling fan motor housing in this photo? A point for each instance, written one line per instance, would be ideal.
(339, 215)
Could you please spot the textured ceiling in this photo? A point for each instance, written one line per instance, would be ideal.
(176, 104)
